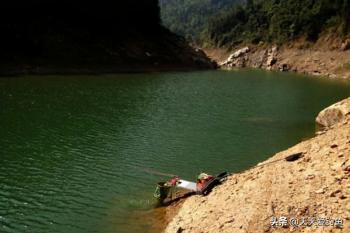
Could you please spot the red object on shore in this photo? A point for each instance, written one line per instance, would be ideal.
(174, 180)
(202, 182)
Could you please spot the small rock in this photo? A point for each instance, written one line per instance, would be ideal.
(347, 168)
(338, 179)
(320, 191)
(344, 163)
(333, 194)
(316, 73)
(334, 146)
(310, 177)
(332, 76)
(321, 132)
(230, 221)
(284, 67)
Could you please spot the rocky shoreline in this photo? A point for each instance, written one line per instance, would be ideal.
(313, 190)
(331, 63)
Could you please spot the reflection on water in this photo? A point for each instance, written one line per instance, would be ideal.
(74, 149)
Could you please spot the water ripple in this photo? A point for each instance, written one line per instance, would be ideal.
(73, 149)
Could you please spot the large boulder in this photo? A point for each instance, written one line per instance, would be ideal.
(236, 59)
(239, 53)
(334, 113)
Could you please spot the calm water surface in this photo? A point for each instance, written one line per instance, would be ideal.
(74, 149)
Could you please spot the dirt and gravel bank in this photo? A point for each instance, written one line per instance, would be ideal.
(311, 194)
(317, 61)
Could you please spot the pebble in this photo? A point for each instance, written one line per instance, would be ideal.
(310, 177)
(307, 159)
(230, 221)
(333, 194)
(320, 132)
(334, 146)
(320, 191)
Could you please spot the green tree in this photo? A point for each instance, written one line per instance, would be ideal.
(278, 21)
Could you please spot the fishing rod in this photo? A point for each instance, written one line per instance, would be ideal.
(289, 158)
(154, 172)
(204, 184)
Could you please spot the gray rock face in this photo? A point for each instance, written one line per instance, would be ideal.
(239, 53)
(243, 57)
(237, 59)
(271, 57)
(334, 113)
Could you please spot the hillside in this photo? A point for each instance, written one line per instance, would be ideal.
(189, 17)
(308, 37)
(62, 36)
(274, 21)
(313, 190)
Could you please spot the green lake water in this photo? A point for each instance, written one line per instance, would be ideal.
(74, 149)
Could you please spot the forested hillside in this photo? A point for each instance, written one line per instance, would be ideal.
(189, 17)
(62, 34)
(278, 21)
(27, 25)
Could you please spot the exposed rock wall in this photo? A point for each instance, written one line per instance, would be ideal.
(328, 63)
